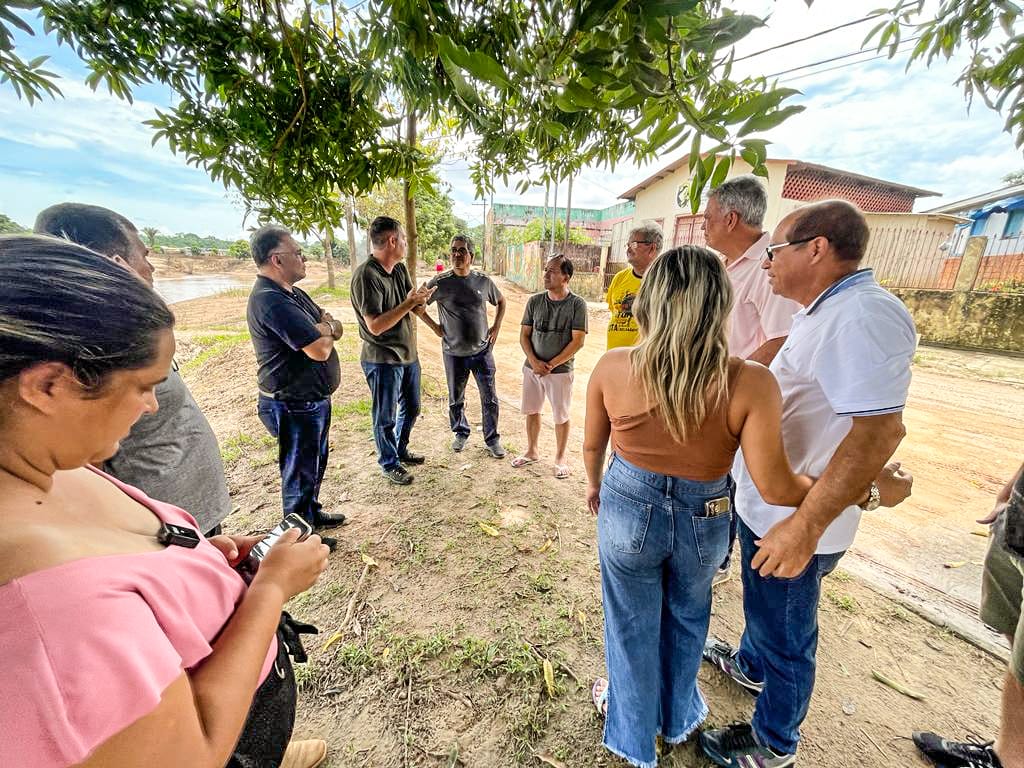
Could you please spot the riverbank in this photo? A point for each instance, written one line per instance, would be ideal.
(445, 598)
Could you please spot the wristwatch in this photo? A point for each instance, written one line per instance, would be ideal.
(874, 500)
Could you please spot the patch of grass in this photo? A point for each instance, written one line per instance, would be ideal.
(841, 576)
(433, 388)
(899, 614)
(234, 447)
(355, 414)
(213, 345)
(540, 582)
(349, 345)
(339, 291)
(527, 728)
(843, 602)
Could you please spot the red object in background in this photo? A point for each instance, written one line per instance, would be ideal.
(439, 266)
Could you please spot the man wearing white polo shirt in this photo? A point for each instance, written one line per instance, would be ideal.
(844, 372)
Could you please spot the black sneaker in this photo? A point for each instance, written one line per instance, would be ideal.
(496, 450)
(459, 443)
(398, 475)
(723, 656)
(736, 746)
(328, 520)
(332, 544)
(956, 754)
(412, 458)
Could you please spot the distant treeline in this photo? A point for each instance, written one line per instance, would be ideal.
(184, 240)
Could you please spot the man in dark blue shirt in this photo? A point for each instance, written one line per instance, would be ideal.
(298, 371)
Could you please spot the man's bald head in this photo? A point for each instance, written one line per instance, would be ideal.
(838, 221)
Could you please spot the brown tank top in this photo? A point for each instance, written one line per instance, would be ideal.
(644, 441)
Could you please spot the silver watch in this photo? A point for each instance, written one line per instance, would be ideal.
(874, 499)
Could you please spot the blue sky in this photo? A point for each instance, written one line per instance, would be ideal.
(870, 118)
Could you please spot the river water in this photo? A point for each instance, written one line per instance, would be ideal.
(175, 289)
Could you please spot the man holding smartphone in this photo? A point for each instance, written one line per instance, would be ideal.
(1002, 588)
(384, 299)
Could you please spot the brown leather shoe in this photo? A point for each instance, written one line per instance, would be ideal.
(305, 754)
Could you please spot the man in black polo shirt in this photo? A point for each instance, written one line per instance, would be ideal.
(385, 300)
(298, 370)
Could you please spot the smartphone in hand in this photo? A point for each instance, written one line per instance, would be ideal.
(248, 567)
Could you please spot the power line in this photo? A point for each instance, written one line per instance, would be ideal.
(842, 66)
(837, 58)
(808, 37)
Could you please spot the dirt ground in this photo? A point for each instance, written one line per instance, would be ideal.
(445, 598)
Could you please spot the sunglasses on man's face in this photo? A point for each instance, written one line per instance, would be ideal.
(460, 251)
(771, 249)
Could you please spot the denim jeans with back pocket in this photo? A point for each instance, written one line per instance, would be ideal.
(659, 552)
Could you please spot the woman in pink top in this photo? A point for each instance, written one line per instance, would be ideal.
(119, 650)
(676, 407)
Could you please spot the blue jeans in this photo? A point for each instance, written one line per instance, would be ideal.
(395, 397)
(301, 428)
(780, 643)
(658, 555)
(457, 370)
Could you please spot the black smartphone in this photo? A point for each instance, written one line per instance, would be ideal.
(249, 566)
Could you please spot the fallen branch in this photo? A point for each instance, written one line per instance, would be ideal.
(868, 737)
(408, 706)
(899, 688)
(355, 597)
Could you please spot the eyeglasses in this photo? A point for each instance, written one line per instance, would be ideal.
(639, 242)
(771, 249)
(297, 254)
(460, 251)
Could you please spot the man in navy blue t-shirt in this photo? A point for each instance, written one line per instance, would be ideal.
(298, 370)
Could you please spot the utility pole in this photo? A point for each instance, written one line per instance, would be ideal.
(349, 217)
(554, 220)
(568, 216)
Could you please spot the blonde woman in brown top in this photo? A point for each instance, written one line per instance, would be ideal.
(676, 407)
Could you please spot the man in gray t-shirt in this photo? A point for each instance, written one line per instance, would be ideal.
(172, 455)
(462, 295)
(553, 330)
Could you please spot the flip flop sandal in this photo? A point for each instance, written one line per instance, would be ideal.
(600, 698)
(522, 461)
(562, 471)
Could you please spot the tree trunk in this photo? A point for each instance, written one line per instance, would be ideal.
(568, 216)
(411, 234)
(329, 255)
(352, 256)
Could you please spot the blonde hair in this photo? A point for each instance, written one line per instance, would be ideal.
(682, 358)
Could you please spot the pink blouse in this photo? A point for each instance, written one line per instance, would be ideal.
(89, 646)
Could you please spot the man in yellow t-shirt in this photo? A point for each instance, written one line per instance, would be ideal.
(643, 245)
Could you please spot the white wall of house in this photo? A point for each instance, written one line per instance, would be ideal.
(658, 201)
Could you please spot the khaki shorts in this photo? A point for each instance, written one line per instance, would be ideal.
(1002, 595)
(556, 387)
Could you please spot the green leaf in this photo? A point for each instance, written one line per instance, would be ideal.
(668, 7)
(479, 64)
(554, 129)
(767, 122)
(581, 97)
(721, 171)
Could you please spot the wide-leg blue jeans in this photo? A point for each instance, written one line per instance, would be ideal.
(658, 552)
